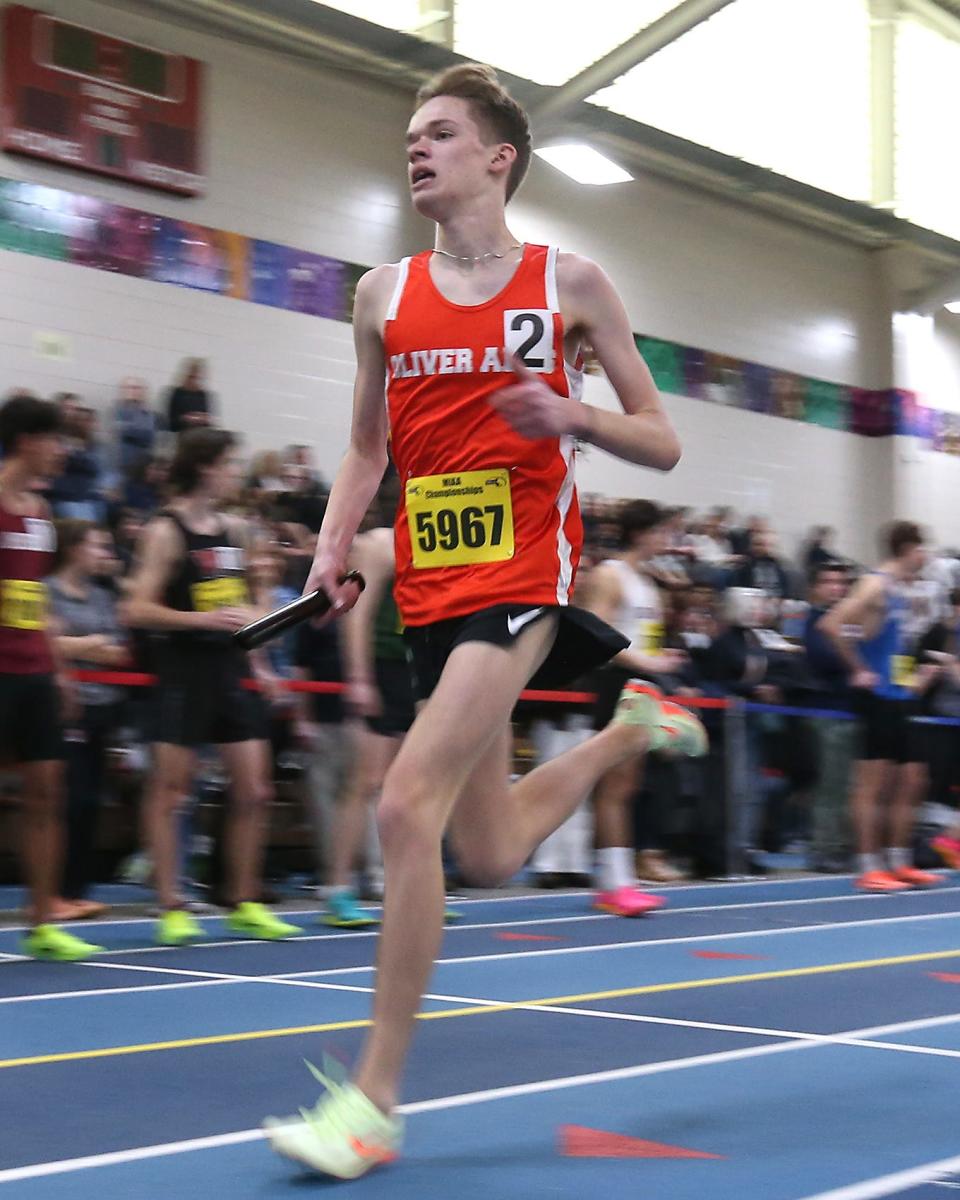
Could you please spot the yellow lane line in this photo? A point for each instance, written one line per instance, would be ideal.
(478, 1009)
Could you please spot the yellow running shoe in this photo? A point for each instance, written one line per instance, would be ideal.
(344, 1135)
(256, 920)
(56, 945)
(177, 928)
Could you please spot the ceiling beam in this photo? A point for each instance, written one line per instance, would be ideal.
(647, 42)
(935, 16)
(884, 17)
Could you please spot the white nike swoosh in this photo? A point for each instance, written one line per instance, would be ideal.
(515, 624)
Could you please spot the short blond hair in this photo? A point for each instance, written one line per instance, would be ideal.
(492, 107)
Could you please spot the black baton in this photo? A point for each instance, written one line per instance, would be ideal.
(313, 604)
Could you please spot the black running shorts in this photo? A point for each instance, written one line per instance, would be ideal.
(30, 725)
(583, 642)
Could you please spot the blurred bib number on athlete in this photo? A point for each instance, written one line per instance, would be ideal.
(459, 519)
(212, 594)
(902, 671)
(23, 604)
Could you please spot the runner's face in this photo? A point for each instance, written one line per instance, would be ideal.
(223, 479)
(44, 453)
(448, 160)
(915, 559)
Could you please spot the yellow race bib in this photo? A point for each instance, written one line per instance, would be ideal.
(211, 594)
(651, 637)
(902, 667)
(23, 604)
(459, 519)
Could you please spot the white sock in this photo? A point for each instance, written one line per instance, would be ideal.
(615, 868)
(898, 857)
(869, 862)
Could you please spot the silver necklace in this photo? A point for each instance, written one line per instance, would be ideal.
(465, 258)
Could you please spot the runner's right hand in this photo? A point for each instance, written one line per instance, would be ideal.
(326, 573)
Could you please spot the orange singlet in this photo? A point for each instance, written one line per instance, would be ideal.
(487, 517)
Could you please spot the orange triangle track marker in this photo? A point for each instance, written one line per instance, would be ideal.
(577, 1141)
(526, 937)
(723, 954)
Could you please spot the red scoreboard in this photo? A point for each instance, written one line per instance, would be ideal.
(76, 96)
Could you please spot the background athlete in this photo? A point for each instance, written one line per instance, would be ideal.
(885, 679)
(35, 694)
(190, 587)
(479, 341)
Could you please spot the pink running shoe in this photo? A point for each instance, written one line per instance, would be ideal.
(627, 902)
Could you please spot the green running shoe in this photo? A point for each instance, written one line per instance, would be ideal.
(344, 912)
(671, 727)
(344, 1135)
(256, 920)
(177, 928)
(56, 945)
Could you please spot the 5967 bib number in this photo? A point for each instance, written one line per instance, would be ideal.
(457, 520)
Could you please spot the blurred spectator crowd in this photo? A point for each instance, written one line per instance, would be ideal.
(743, 614)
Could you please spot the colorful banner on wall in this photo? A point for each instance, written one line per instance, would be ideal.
(90, 232)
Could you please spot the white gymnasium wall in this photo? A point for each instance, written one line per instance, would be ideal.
(303, 157)
(296, 156)
(927, 482)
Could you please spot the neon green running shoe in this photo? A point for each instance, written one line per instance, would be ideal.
(344, 912)
(56, 945)
(670, 726)
(344, 1135)
(256, 920)
(177, 928)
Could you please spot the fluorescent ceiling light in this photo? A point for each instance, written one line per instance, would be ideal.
(952, 306)
(584, 164)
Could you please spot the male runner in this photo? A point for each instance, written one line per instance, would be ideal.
(480, 343)
(34, 690)
(886, 680)
(619, 591)
(190, 585)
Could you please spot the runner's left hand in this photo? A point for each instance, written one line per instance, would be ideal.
(534, 409)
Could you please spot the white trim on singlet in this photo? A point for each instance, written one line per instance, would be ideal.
(403, 269)
(564, 499)
(550, 280)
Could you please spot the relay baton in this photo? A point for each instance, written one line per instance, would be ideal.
(313, 604)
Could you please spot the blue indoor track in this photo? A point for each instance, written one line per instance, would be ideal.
(757, 1041)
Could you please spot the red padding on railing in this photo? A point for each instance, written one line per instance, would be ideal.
(326, 687)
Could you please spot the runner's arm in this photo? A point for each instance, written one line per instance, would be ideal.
(158, 550)
(364, 463)
(642, 433)
(602, 595)
(854, 609)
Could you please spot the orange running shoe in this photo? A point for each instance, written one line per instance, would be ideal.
(913, 877)
(949, 850)
(880, 881)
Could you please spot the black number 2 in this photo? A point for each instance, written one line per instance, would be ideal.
(536, 324)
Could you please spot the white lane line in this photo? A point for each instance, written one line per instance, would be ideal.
(888, 1185)
(291, 976)
(118, 991)
(651, 942)
(161, 1150)
(660, 916)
